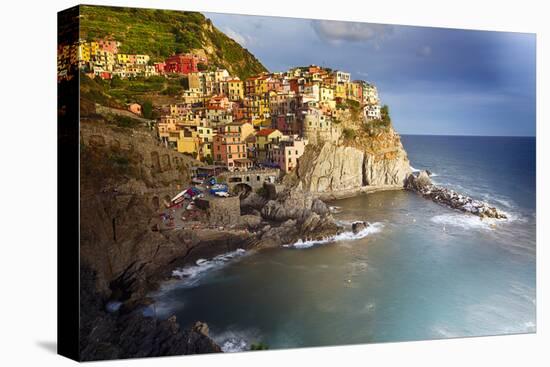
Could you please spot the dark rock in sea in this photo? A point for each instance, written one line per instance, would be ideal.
(358, 226)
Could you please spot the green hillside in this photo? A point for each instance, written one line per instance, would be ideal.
(160, 33)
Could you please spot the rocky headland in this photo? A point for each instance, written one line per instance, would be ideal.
(365, 163)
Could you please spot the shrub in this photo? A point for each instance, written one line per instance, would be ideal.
(259, 346)
(349, 134)
(147, 109)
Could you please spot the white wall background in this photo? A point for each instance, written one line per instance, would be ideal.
(28, 164)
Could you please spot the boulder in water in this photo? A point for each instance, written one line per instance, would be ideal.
(358, 226)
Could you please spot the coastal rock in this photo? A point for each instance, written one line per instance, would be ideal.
(330, 168)
(251, 221)
(358, 226)
(130, 334)
(300, 215)
(422, 184)
(418, 182)
(252, 202)
(368, 161)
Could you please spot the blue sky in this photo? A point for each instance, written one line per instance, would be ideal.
(435, 80)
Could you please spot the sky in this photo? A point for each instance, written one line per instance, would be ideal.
(434, 80)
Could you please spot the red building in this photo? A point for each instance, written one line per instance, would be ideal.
(184, 64)
(160, 67)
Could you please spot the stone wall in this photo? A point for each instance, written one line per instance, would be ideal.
(156, 166)
(221, 211)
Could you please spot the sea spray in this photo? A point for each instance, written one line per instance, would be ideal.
(344, 236)
(192, 274)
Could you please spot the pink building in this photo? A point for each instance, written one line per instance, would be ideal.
(286, 153)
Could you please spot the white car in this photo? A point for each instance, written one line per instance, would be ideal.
(222, 194)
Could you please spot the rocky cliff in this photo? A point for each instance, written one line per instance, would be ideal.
(125, 174)
(363, 161)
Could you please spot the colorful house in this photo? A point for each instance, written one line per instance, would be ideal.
(286, 153)
(235, 89)
(264, 138)
(188, 142)
(230, 151)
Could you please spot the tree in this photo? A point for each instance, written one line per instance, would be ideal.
(202, 67)
(147, 109)
(385, 112)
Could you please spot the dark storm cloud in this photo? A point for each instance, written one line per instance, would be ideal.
(350, 31)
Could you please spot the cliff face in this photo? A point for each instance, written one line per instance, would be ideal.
(372, 161)
(125, 175)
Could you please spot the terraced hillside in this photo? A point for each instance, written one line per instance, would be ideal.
(160, 33)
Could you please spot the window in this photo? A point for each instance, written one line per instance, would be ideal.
(257, 178)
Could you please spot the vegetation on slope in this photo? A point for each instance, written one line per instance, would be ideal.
(161, 33)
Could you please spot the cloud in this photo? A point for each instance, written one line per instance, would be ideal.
(242, 39)
(337, 31)
(424, 51)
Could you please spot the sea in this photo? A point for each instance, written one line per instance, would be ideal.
(420, 271)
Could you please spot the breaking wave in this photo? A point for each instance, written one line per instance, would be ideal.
(344, 236)
(465, 221)
(233, 341)
(191, 274)
(415, 170)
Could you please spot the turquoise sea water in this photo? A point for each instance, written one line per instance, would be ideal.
(422, 271)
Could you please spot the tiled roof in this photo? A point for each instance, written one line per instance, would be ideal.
(265, 132)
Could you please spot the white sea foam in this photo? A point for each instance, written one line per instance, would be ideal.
(344, 236)
(465, 221)
(233, 341)
(193, 273)
(415, 170)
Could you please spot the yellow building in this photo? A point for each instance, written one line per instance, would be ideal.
(256, 85)
(340, 91)
(264, 138)
(123, 58)
(84, 52)
(257, 108)
(353, 91)
(326, 94)
(235, 90)
(206, 136)
(188, 142)
(94, 48)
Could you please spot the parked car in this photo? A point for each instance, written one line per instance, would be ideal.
(219, 188)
